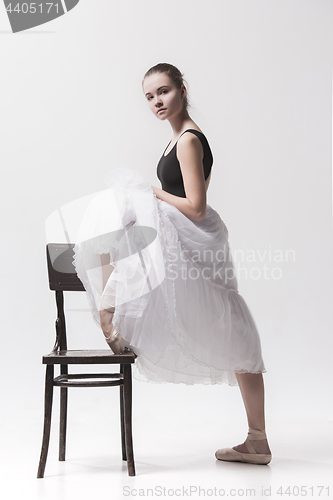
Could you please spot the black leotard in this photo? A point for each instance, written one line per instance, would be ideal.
(168, 168)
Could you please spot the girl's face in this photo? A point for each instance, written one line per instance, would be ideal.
(164, 98)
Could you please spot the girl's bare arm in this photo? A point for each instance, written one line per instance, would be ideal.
(190, 155)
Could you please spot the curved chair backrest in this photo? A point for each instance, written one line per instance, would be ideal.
(61, 270)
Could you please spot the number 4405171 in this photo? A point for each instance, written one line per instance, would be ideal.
(32, 7)
(304, 491)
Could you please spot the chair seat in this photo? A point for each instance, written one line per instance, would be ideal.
(94, 356)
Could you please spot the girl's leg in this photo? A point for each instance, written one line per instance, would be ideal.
(252, 389)
(107, 268)
(113, 338)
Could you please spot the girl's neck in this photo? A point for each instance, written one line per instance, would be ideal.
(180, 122)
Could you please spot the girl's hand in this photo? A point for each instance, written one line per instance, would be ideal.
(155, 189)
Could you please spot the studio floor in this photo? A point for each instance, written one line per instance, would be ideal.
(174, 445)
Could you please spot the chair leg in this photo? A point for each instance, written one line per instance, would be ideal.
(63, 423)
(128, 418)
(63, 417)
(47, 419)
(122, 424)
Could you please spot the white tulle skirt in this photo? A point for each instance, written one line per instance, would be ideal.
(173, 285)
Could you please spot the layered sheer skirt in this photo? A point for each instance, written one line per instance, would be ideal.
(173, 285)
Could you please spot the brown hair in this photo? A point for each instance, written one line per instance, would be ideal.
(173, 73)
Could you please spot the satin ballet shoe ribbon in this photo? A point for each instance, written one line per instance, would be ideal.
(231, 455)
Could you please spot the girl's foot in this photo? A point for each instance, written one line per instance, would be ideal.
(254, 450)
(260, 446)
(112, 337)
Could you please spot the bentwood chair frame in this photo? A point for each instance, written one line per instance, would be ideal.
(63, 277)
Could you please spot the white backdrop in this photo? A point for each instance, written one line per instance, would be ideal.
(260, 85)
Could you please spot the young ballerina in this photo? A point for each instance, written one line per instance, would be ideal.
(190, 325)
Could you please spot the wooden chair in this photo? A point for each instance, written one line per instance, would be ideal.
(62, 277)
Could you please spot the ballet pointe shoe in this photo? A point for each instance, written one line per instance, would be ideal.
(113, 338)
(231, 455)
(115, 342)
